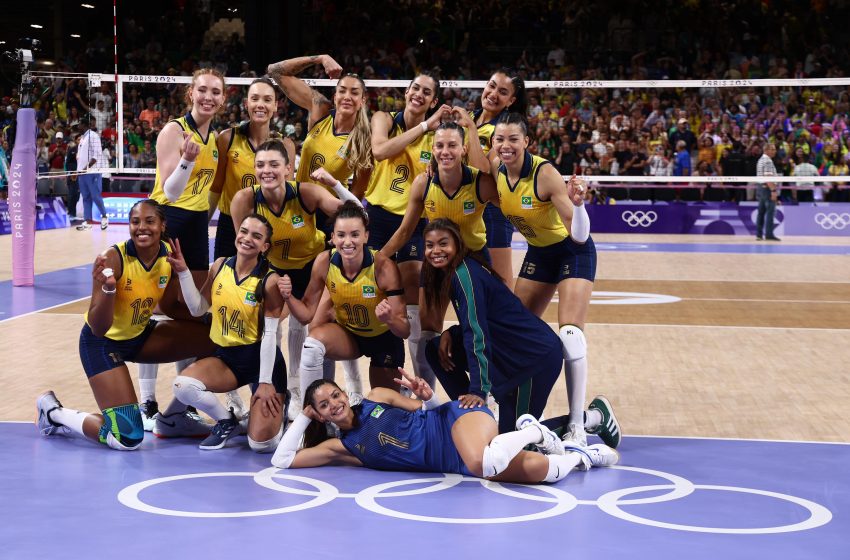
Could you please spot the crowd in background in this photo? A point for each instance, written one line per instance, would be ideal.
(676, 132)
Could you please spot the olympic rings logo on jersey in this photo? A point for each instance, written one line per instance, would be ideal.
(554, 501)
(833, 220)
(639, 218)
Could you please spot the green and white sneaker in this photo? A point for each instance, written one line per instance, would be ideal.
(609, 429)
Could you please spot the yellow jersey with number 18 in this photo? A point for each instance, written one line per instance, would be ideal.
(236, 305)
(323, 148)
(537, 220)
(195, 195)
(355, 299)
(389, 185)
(137, 292)
(295, 239)
(464, 207)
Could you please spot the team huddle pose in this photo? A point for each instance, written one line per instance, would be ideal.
(443, 190)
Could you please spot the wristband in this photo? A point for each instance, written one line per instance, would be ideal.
(107, 292)
(424, 126)
(431, 403)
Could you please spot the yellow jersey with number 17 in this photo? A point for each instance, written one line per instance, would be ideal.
(195, 195)
(137, 291)
(389, 185)
(236, 305)
(355, 299)
(295, 239)
(537, 220)
(464, 207)
(323, 148)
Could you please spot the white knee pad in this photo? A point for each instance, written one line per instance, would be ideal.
(574, 343)
(118, 446)
(188, 390)
(266, 446)
(312, 358)
(496, 459)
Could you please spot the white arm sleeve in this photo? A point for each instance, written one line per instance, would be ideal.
(580, 227)
(176, 182)
(267, 349)
(194, 300)
(285, 452)
(345, 195)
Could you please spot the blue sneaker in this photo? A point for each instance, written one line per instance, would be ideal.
(221, 432)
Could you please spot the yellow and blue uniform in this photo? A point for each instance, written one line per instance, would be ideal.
(354, 300)
(507, 350)
(138, 290)
(499, 229)
(552, 256)
(464, 207)
(323, 147)
(385, 437)
(389, 191)
(187, 217)
(236, 329)
(296, 242)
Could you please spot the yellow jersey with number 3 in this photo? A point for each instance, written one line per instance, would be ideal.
(236, 305)
(464, 207)
(389, 185)
(323, 147)
(295, 239)
(137, 291)
(195, 195)
(537, 220)
(355, 299)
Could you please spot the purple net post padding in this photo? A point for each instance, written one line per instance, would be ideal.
(22, 192)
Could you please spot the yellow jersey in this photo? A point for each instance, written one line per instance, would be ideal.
(137, 292)
(295, 239)
(485, 131)
(323, 147)
(355, 300)
(239, 172)
(389, 185)
(464, 207)
(537, 220)
(195, 195)
(236, 305)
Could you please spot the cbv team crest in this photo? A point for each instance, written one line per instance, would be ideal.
(526, 203)
(468, 207)
(297, 221)
(368, 291)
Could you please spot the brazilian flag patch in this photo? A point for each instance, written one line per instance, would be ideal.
(424, 156)
(376, 413)
(468, 207)
(163, 281)
(526, 203)
(368, 291)
(297, 221)
(251, 299)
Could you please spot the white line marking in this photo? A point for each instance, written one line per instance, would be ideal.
(44, 309)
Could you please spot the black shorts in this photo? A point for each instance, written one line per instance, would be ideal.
(560, 261)
(386, 350)
(500, 231)
(99, 354)
(190, 227)
(323, 223)
(300, 277)
(244, 362)
(382, 226)
(225, 237)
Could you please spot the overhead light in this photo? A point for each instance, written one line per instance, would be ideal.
(75, 36)
(36, 26)
(47, 62)
(2, 42)
(89, 6)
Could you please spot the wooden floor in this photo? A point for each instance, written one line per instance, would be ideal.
(756, 346)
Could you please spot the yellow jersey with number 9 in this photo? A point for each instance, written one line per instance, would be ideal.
(137, 292)
(355, 299)
(295, 239)
(195, 195)
(236, 305)
(323, 148)
(239, 172)
(537, 220)
(389, 185)
(464, 207)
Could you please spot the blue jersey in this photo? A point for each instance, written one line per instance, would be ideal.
(506, 344)
(393, 439)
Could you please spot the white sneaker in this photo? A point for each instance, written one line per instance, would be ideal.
(575, 436)
(149, 410)
(355, 398)
(104, 222)
(46, 403)
(550, 444)
(295, 405)
(181, 424)
(83, 226)
(233, 401)
(597, 455)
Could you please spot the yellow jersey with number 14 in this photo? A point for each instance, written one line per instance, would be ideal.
(137, 292)
(537, 220)
(355, 299)
(195, 195)
(323, 148)
(389, 185)
(236, 305)
(295, 239)
(464, 207)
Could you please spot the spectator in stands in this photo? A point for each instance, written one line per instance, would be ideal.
(682, 132)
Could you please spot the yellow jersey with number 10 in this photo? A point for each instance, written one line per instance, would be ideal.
(464, 207)
(537, 220)
(195, 195)
(236, 305)
(355, 300)
(389, 185)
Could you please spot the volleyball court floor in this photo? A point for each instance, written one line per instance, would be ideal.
(726, 361)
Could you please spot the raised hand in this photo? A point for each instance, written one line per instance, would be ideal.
(332, 67)
(575, 190)
(384, 311)
(462, 117)
(284, 286)
(175, 258)
(321, 175)
(442, 113)
(102, 274)
(190, 150)
(417, 385)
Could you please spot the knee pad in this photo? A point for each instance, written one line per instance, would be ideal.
(496, 459)
(122, 427)
(574, 343)
(266, 446)
(188, 389)
(313, 353)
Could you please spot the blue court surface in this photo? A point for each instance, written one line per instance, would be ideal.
(669, 498)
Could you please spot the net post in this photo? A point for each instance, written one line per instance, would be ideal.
(22, 191)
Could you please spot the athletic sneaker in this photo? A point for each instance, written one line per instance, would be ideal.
(83, 226)
(149, 410)
(180, 424)
(355, 398)
(220, 433)
(550, 444)
(233, 401)
(295, 406)
(609, 429)
(575, 436)
(104, 223)
(597, 455)
(46, 403)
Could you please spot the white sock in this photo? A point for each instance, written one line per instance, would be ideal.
(575, 360)
(70, 418)
(353, 381)
(312, 358)
(296, 334)
(147, 382)
(183, 364)
(425, 371)
(592, 419)
(561, 465)
(504, 447)
(415, 336)
(193, 392)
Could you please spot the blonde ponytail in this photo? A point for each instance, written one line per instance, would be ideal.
(358, 146)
